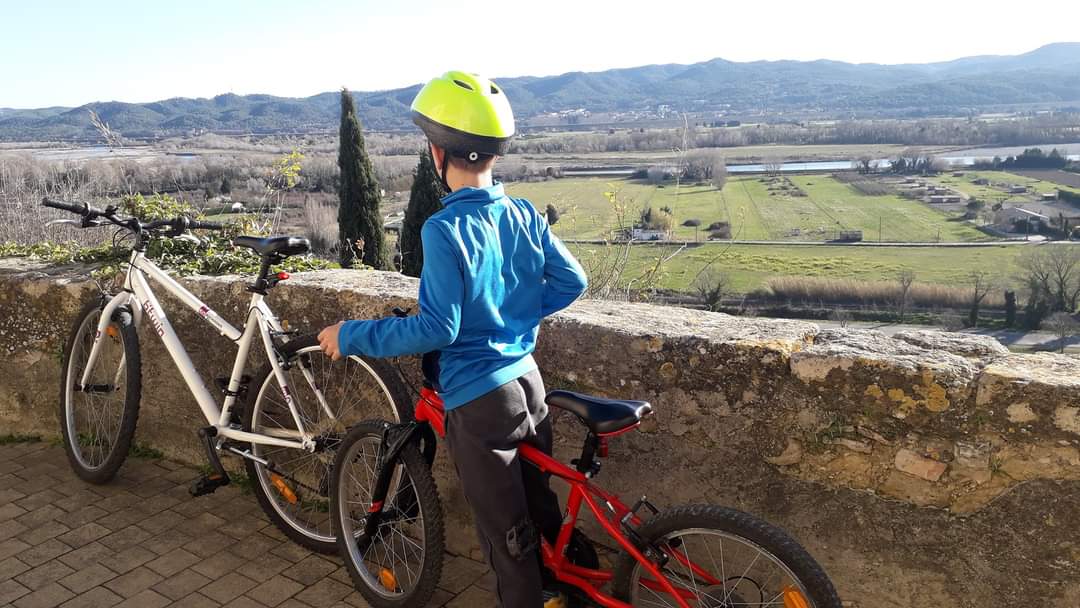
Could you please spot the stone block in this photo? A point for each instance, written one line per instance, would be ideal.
(913, 464)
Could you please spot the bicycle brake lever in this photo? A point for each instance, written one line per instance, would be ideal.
(76, 223)
(69, 222)
(189, 237)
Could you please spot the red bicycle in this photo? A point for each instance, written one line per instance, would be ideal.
(386, 509)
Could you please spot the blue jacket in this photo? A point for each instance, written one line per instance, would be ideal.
(492, 270)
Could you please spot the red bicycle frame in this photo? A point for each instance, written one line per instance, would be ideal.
(608, 510)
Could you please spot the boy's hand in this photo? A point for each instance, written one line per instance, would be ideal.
(328, 340)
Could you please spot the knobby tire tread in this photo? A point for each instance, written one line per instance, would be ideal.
(738, 523)
(419, 473)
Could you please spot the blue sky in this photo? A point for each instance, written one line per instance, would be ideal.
(64, 52)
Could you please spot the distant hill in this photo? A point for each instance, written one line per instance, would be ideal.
(1050, 74)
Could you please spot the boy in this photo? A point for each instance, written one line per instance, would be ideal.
(492, 270)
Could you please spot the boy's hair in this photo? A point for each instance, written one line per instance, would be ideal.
(483, 163)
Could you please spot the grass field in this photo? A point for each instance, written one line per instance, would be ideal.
(989, 193)
(754, 212)
(750, 266)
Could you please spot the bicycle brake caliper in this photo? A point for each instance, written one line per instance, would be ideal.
(652, 553)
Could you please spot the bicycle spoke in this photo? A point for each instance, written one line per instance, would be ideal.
(396, 551)
(693, 578)
(94, 418)
(758, 579)
(659, 597)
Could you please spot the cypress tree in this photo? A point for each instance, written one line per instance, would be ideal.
(360, 222)
(423, 201)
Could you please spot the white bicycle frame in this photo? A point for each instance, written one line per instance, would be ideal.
(260, 322)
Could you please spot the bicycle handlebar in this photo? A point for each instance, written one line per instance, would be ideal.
(80, 208)
(177, 224)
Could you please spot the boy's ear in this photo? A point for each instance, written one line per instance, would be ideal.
(437, 155)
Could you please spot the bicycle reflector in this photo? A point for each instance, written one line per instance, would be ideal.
(285, 491)
(793, 598)
(112, 331)
(388, 580)
(282, 276)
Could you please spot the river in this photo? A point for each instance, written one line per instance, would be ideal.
(958, 158)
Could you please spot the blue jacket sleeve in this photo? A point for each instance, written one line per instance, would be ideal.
(564, 279)
(436, 326)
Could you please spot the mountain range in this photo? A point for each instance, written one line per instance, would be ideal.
(715, 88)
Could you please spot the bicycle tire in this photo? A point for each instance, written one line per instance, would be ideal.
(129, 412)
(792, 555)
(417, 476)
(316, 534)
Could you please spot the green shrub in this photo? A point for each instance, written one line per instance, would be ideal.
(214, 254)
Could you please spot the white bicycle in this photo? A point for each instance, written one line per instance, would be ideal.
(285, 422)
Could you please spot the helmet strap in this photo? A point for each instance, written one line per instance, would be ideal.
(445, 166)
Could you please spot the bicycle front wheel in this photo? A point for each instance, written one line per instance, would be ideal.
(294, 491)
(399, 566)
(97, 420)
(717, 557)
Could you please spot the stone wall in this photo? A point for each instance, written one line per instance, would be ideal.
(927, 469)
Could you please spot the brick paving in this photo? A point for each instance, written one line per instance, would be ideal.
(141, 541)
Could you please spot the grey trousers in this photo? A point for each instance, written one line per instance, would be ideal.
(511, 500)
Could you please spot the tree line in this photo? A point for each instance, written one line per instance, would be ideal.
(1057, 128)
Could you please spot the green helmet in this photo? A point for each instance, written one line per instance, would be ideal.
(465, 114)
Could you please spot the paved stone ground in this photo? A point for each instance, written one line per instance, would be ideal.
(142, 541)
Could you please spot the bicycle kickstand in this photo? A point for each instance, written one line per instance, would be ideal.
(217, 477)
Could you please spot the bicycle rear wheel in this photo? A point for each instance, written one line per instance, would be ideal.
(295, 493)
(98, 420)
(400, 566)
(722, 558)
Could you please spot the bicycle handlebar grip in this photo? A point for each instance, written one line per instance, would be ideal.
(77, 208)
(198, 225)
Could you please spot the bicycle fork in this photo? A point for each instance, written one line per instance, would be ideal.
(395, 438)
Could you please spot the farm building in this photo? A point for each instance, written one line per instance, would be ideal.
(392, 222)
(1014, 215)
(944, 198)
(849, 236)
(640, 234)
(643, 234)
(1049, 196)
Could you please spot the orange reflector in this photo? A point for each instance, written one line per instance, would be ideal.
(112, 331)
(388, 580)
(793, 598)
(283, 488)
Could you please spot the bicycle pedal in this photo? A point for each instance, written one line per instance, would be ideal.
(207, 484)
